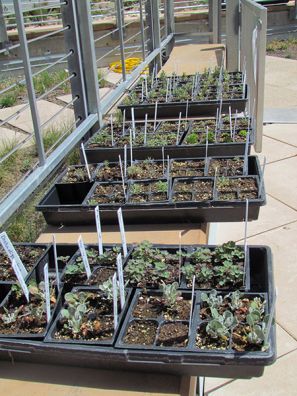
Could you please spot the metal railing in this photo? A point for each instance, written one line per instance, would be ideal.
(44, 124)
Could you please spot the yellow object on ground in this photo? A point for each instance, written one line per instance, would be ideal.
(130, 64)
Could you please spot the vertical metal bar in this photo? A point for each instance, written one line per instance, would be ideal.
(142, 29)
(232, 34)
(3, 31)
(169, 24)
(89, 58)
(29, 80)
(73, 45)
(214, 19)
(119, 7)
(260, 80)
(154, 23)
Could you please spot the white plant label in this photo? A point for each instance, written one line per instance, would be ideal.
(12, 253)
(179, 257)
(133, 123)
(122, 230)
(192, 303)
(20, 279)
(121, 279)
(99, 232)
(47, 293)
(122, 175)
(115, 300)
(84, 256)
(56, 262)
(245, 238)
(86, 161)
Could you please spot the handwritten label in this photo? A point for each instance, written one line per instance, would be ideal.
(56, 262)
(84, 256)
(99, 232)
(192, 302)
(12, 253)
(47, 293)
(122, 230)
(115, 300)
(86, 161)
(121, 279)
(20, 279)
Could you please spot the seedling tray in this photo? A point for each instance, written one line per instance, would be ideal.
(50, 335)
(174, 362)
(139, 152)
(195, 108)
(42, 258)
(211, 210)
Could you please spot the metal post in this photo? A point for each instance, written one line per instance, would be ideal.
(29, 80)
(119, 7)
(232, 34)
(153, 21)
(84, 17)
(73, 45)
(216, 10)
(3, 31)
(142, 29)
(169, 23)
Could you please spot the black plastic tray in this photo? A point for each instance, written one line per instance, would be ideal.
(195, 108)
(190, 212)
(173, 362)
(179, 151)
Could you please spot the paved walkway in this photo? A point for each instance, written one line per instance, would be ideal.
(276, 227)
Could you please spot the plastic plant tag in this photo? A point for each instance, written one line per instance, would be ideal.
(131, 147)
(270, 320)
(86, 161)
(122, 175)
(145, 131)
(214, 183)
(56, 262)
(99, 232)
(124, 121)
(206, 153)
(192, 302)
(178, 128)
(246, 148)
(20, 279)
(115, 300)
(111, 130)
(84, 256)
(245, 238)
(179, 257)
(12, 253)
(122, 230)
(155, 117)
(47, 293)
(133, 123)
(121, 279)
(163, 159)
(125, 160)
(187, 110)
(261, 184)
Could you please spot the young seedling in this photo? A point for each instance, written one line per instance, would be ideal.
(170, 295)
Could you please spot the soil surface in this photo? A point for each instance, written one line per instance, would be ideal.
(28, 255)
(204, 341)
(173, 334)
(141, 332)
